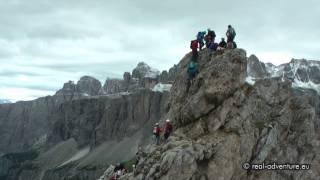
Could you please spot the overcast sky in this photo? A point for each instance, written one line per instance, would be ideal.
(44, 43)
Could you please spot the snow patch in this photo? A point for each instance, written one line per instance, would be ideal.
(80, 154)
(250, 80)
(85, 94)
(306, 85)
(161, 87)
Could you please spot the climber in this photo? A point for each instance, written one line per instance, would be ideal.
(156, 133)
(231, 34)
(200, 38)
(223, 43)
(192, 71)
(194, 47)
(212, 34)
(213, 46)
(209, 38)
(167, 129)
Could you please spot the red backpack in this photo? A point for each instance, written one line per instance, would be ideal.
(194, 44)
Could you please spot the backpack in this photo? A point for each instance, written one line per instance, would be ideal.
(200, 35)
(194, 44)
(155, 130)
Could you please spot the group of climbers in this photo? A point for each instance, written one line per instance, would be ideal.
(208, 39)
(167, 130)
(118, 171)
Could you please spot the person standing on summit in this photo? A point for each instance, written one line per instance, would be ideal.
(223, 43)
(210, 37)
(200, 38)
(194, 47)
(231, 34)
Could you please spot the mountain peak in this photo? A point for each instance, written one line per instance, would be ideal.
(144, 70)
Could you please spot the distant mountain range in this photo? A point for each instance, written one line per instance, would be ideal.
(301, 72)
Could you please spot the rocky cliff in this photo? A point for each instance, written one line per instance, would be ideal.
(79, 131)
(78, 138)
(222, 122)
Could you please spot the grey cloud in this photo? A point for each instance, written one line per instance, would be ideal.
(12, 73)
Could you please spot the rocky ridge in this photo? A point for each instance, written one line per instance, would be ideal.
(222, 122)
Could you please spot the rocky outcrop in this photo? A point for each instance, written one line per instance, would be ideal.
(88, 86)
(85, 87)
(168, 77)
(222, 122)
(143, 77)
(143, 70)
(256, 68)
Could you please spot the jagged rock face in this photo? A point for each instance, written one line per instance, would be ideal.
(226, 71)
(164, 77)
(23, 123)
(68, 90)
(143, 70)
(85, 87)
(93, 121)
(143, 77)
(127, 77)
(256, 68)
(113, 86)
(173, 73)
(168, 77)
(230, 124)
(88, 85)
(113, 126)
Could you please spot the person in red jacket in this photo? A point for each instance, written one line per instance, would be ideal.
(167, 129)
(194, 47)
(156, 133)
